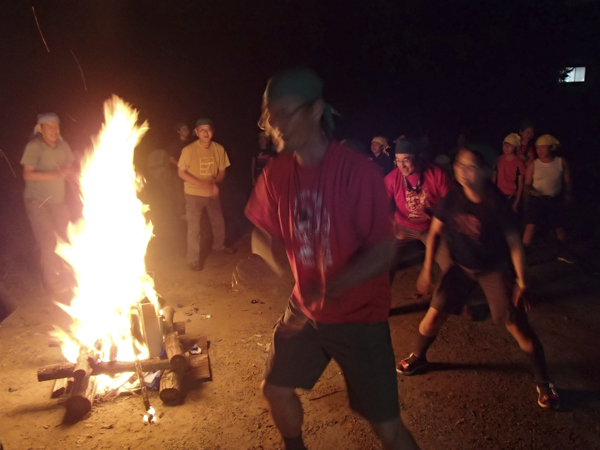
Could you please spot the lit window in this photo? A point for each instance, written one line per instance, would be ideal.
(573, 75)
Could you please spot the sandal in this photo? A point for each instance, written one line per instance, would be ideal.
(411, 365)
(547, 396)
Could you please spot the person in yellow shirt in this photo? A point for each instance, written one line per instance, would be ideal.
(202, 167)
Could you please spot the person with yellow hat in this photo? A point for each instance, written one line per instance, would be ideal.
(509, 170)
(548, 184)
(380, 156)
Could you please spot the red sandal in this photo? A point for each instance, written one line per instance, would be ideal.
(547, 396)
(411, 365)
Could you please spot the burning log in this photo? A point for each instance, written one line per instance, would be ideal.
(151, 326)
(171, 384)
(175, 352)
(81, 399)
(56, 371)
(82, 366)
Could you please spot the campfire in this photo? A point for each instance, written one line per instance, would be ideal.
(120, 326)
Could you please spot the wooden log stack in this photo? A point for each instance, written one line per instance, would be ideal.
(76, 383)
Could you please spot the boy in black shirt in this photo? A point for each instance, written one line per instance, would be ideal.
(483, 239)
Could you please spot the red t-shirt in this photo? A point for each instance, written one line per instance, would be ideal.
(325, 215)
(508, 173)
(414, 208)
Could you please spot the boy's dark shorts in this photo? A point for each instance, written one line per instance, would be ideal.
(301, 350)
(458, 283)
(549, 210)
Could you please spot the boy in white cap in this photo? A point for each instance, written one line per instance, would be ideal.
(509, 171)
(548, 183)
(46, 163)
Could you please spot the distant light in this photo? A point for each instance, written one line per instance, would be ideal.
(573, 75)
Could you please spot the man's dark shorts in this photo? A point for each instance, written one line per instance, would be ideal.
(548, 210)
(458, 283)
(302, 349)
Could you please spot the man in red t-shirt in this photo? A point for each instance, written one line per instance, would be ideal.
(415, 188)
(325, 207)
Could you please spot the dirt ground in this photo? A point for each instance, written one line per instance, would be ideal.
(479, 393)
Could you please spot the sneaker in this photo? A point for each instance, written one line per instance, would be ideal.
(411, 365)
(196, 266)
(547, 396)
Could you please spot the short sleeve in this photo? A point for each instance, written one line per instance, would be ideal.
(262, 207)
(389, 185)
(224, 160)
(373, 219)
(31, 155)
(184, 159)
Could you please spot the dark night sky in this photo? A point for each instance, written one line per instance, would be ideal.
(390, 66)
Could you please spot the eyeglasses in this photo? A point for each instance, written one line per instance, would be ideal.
(404, 161)
(282, 115)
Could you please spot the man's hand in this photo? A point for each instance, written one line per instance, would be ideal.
(519, 299)
(215, 190)
(515, 206)
(424, 282)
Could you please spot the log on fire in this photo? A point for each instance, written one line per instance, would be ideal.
(55, 371)
(175, 352)
(81, 398)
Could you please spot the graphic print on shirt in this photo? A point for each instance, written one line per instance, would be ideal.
(312, 226)
(417, 203)
(468, 225)
(206, 166)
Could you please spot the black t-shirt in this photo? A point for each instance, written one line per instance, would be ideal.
(476, 232)
(176, 147)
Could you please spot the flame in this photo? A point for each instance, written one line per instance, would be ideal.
(108, 244)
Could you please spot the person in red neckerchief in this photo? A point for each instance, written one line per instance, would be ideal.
(324, 207)
(415, 187)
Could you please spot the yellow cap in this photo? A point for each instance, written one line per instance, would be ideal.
(381, 140)
(513, 139)
(547, 139)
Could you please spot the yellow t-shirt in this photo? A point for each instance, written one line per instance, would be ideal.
(203, 163)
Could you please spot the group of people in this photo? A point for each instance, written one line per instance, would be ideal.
(329, 213)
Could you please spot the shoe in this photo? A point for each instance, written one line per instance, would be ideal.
(196, 266)
(227, 250)
(547, 396)
(411, 365)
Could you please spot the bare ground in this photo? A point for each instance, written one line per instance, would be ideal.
(479, 393)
